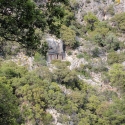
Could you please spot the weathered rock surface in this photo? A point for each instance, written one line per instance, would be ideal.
(55, 115)
(98, 7)
(56, 50)
(75, 62)
(23, 60)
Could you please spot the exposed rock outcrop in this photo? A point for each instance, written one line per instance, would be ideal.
(100, 8)
(56, 48)
(23, 60)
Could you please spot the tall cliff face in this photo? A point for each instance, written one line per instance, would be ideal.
(103, 9)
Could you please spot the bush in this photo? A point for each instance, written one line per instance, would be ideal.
(119, 22)
(39, 59)
(68, 36)
(112, 42)
(99, 68)
(110, 10)
(58, 62)
(69, 53)
(117, 76)
(80, 56)
(95, 52)
(55, 61)
(84, 70)
(91, 20)
(114, 57)
(122, 45)
(67, 63)
(108, 95)
(109, 41)
(105, 77)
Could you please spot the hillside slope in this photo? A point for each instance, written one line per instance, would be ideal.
(62, 62)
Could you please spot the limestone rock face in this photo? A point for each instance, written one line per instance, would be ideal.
(56, 49)
(100, 8)
(22, 60)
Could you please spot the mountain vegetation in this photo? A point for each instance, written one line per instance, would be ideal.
(86, 88)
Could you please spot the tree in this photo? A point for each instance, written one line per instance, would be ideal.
(18, 20)
(115, 113)
(68, 36)
(117, 76)
(55, 15)
(44, 73)
(93, 103)
(113, 58)
(63, 75)
(11, 70)
(91, 20)
(119, 21)
(111, 42)
(9, 112)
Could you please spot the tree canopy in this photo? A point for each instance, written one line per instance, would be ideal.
(18, 20)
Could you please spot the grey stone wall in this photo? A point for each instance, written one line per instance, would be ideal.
(56, 50)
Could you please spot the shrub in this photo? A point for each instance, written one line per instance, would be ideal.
(108, 95)
(69, 53)
(95, 52)
(105, 77)
(67, 63)
(109, 41)
(39, 59)
(68, 36)
(80, 55)
(55, 61)
(114, 57)
(84, 70)
(91, 20)
(110, 10)
(119, 22)
(99, 68)
(117, 76)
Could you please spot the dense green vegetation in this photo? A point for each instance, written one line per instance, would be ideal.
(27, 96)
(8, 104)
(18, 22)
(36, 94)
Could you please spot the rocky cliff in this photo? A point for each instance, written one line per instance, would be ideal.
(103, 9)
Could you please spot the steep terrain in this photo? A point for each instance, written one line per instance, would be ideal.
(62, 62)
(103, 9)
